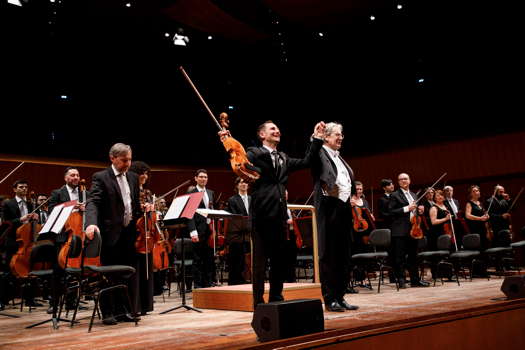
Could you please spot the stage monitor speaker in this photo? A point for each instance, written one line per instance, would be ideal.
(514, 287)
(285, 319)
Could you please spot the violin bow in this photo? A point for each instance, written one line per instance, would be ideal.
(453, 233)
(431, 187)
(515, 200)
(200, 98)
(12, 171)
(305, 203)
(172, 190)
(492, 198)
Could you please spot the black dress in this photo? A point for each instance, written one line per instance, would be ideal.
(476, 226)
(436, 230)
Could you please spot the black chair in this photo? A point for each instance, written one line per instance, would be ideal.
(43, 252)
(500, 256)
(518, 247)
(101, 280)
(188, 262)
(379, 241)
(469, 256)
(438, 259)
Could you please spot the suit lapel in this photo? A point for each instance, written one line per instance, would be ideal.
(113, 180)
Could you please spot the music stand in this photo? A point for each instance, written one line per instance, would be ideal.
(53, 226)
(181, 210)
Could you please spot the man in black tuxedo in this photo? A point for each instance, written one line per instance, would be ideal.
(203, 268)
(333, 188)
(402, 206)
(17, 210)
(268, 208)
(453, 207)
(499, 215)
(237, 237)
(66, 193)
(112, 209)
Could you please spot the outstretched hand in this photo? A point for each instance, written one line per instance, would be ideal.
(319, 130)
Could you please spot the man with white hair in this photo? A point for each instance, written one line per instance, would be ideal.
(333, 187)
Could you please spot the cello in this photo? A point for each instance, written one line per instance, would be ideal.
(238, 158)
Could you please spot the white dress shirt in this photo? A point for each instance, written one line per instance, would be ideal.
(126, 194)
(343, 180)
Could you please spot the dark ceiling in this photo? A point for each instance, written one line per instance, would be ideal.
(79, 75)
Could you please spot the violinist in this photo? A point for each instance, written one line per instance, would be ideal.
(439, 217)
(333, 187)
(18, 210)
(237, 238)
(388, 187)
(203, 268)
(453, 206)
(499, 213)
(476, 216)
(427, 202)
(43, 211)
(268, 207)
(402, 206)
(362, 208)
(144, 270)
(112, 209)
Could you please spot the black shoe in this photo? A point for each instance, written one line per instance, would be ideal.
(33, 303)
(276, 298)
(420, 284)
(109, 320)
(2, 306)
(402, 285)
(127, 318)
(351, 290)
(347, 306)
(334, 306)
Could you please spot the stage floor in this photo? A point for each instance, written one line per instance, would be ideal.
(217, 329)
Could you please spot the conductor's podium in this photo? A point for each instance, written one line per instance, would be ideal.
(239, 297)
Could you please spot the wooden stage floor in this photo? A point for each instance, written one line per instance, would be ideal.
(217, 329)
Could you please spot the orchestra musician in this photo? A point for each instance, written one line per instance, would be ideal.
(144, 281)
(453, 206)
(402, 206)
(203, 268)
(112, 209)
(499, 213)
(476, 216)
(439, 216)
(268, 207)
(386, 219)
(358, 201)
(237, 239)
(17, 211)
(333, 187)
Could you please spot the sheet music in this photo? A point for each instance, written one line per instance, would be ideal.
(205, 212)
(62, 218)
(51, 219)
(176, 207)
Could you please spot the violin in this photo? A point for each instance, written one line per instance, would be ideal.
(239, 162)
(360, 224)
(415, 225)
(25, 237)
(146, 226)
(161, 251)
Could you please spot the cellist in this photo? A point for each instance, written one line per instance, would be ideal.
(402, 206)
(18, 210)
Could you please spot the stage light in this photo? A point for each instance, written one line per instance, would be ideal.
(372, 18)
(14, 2)
(63, 97)
(230, 108)
(321, 34)
(167, 35)
(421, 80)
(128, 4)
(210, 37)
(399, 6)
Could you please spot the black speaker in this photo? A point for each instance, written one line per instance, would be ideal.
(285, 319)
(514, 287)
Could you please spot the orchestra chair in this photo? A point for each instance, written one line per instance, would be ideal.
(379, 241)
(469, 256)
(188, 262)
(437, 259)
(501, 256)
(101, 280)
(44, 252)
(73, 277)
(518, 247)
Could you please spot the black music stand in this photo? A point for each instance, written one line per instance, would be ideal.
(181, 210)
(54, 226)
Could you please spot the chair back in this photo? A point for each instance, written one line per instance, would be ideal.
(43, 252)
(188, 248)
(380, 238)
(422, 244)
(93, 247)
(75, 247)
(444, 242)
(471, 242)
(503, 238)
